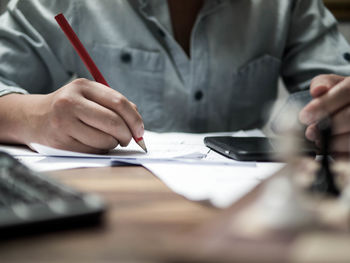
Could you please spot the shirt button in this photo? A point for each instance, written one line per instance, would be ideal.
(347, 56)
(198, 95)
(161, 32)
(125, 57)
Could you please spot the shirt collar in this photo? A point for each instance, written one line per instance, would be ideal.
(158, 10)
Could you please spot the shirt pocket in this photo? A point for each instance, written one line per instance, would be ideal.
(137, 74)
(254, 88)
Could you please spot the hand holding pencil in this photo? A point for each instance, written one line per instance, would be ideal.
(111, 106)
(82, 116)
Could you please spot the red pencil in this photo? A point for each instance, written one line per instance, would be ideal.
(85, 57)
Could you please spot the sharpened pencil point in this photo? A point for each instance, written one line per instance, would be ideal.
(142, 144)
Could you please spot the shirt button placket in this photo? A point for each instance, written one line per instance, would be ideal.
(199, 79)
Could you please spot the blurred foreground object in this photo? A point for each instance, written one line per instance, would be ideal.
(296, 226)
(281, 220)
(31, 203)
(324, 182)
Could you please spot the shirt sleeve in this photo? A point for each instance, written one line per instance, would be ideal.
(29, 44)
(314, 46)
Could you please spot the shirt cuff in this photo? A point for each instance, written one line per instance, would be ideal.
(4, 90)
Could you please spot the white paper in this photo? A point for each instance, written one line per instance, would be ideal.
(44, 164)
(180, 160)
(163, 147)
(221, 185)
(160, 146)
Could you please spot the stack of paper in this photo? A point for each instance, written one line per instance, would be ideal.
(180, 160)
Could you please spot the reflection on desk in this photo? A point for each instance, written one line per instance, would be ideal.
(142, 214)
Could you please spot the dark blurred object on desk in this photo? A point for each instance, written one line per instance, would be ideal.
(324, 182)
(31, 202)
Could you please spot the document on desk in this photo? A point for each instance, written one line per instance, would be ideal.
(220, 185)
(161, 147)
(180, 160)
(51, 163)
(167, 147)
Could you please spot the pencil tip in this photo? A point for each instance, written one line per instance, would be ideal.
(142, 144)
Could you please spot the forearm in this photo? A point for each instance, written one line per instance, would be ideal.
(16, 117)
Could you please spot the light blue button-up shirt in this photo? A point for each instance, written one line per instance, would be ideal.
(239, 49)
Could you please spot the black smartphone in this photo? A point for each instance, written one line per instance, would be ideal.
(258, 149)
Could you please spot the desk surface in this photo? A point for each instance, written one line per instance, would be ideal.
(142, 213)
(145, 220)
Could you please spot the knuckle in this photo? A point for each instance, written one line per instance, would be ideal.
(80, 82)
(120, 102)
(134, 106)
(63, 101)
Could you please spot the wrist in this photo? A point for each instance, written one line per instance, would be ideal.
(19, 117)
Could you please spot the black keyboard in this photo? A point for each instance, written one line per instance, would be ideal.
(30, 201)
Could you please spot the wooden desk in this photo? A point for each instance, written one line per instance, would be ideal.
(142, 214)
(146, 222)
